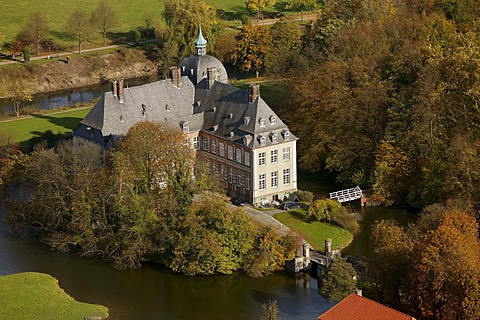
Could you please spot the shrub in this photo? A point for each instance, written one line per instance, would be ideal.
(347, 221)
(324, 209)
(26, 54)
(305, 196)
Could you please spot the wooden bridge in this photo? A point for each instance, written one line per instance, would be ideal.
(347, 194)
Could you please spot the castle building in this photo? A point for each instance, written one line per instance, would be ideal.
(246, 145)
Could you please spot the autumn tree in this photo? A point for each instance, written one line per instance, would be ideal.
(2, 38)
(36, 29)
(79, 28)
(286, 36)
(252, 48)
(105, 18)
(183, 18)
(301, 5)
(256, 6)
(324, 209)
(447, 273)
(19, 92)
(338, 281)
(269, 310)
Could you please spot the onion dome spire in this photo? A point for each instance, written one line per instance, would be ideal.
(200, 43)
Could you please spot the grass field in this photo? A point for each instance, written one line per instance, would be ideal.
(22, 130)
(14, 13)
(32, 295)
(313, 231)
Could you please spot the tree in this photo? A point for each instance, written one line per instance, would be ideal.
(78, 28)
(19, 91)
(324, 209)
(2, 38)
(183, 18)
(447, 273)
(270, 310)
(105, 18)
(251, 50)
(338, 281)
(301, 5)
(150, 21)
(256, 6)
(36, 29)
(287, 37)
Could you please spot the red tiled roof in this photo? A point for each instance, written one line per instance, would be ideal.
(355, 307)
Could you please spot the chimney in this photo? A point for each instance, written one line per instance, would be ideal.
(328, 247)
(114, 89)
(211, 76)
(253, 92)
(120, 90)
(176, 76)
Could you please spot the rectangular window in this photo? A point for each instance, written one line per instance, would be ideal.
(214, 146)
(196, 145)
(286, 153)
(185, 142)
(261, 182)
(247, 181)
(230, 175)
(222, 172)
(286, 176)
(205, 143)
(230, 152)
(274, 156)
(261, 159)
(221, 149)
(186, 127)
(239, 180)
(234, 177)
(274, 179)
(247, 159)
(213, 169)
(238, 155)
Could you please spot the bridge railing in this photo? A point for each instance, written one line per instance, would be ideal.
(347, 194)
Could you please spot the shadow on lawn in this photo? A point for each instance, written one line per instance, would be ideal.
(69, 123)
(299, 215)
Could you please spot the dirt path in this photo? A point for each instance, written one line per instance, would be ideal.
(266, 22)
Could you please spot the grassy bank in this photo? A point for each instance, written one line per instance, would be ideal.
(38, 296)
(313, 231)
(14, 14)
(23, 129)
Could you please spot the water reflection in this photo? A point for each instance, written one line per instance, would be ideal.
(154, 292)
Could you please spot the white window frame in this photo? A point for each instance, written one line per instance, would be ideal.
(262, 123)
(239, 181)
(238, 155)
(221, 149)
(286, 136)
(230, 152)
(286, 153)
(263, 141)
(247, 181)
(213, 146)
(196, 144)
(230, 175)
(274, 138)
(274, 179)
(273, 120)
(274, 156)
(286, 176)
(247, 158)
(186, 127)
(261, 158)
(262, 185)
(205, 143)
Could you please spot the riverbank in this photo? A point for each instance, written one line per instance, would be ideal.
(38, 296)
(84, 70)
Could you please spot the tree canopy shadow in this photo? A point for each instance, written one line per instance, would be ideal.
(299, 215)
(69, 123)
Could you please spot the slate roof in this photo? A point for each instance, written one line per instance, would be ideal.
(222, 110)
(195, 68)
(355, 307)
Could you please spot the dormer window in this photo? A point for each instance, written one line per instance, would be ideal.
(263, 141)
(273, 120)
(246, 120)
(274, 138)
(167, 107)
(144, 110)
(186, 127)
(262, 123)
(286, 136)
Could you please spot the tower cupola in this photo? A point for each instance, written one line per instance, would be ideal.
(200, 43)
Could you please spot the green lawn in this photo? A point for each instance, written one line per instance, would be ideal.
(14, 13)
(38, 296)
(61, 123)
(313, 231)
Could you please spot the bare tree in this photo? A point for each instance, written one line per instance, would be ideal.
(105, 18)
(78, 27)
(36, 29)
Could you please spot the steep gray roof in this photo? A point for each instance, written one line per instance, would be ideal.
(195, 67)
(157, 101)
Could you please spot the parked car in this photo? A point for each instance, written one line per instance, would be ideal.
(238, 202)
(287, 205)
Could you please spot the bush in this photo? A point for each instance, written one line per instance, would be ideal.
(305, 196)
(324, 209)
(347, 221)
(26, 54)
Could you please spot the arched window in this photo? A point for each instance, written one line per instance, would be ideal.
(286, 135)
(262, 122)
(274, 138)
(273, 120)
(263, 141)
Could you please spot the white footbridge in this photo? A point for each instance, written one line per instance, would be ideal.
(347, 194)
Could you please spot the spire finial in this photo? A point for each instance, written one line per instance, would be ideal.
(200, 43)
